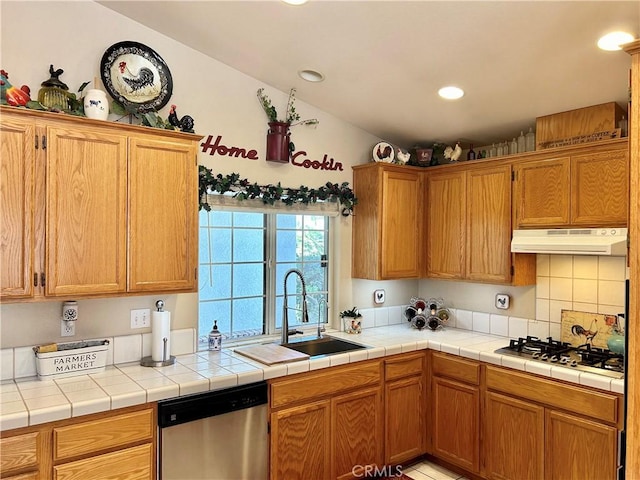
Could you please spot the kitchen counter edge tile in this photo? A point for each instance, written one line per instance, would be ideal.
(30, 401)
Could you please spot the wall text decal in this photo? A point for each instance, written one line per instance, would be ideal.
(221, 149)
(298, 159)
(325, 164)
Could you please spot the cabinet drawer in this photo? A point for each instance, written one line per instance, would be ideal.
(334, 380)
(455, 367)
(590, 404)
(19, 452)
(404, 366)
(102, 434)
(134, 463)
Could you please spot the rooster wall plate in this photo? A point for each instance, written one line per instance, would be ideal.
(136, 76)
(579, 328)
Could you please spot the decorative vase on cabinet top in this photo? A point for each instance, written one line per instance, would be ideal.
(96, 105)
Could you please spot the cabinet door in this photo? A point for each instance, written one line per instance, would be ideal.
(600, 192)
(357, 429)
(446, 206)
(405, 425)
(135, 463)
(456, 423)
(86, 211)
(543, 193)
(579, 448)
(163, 214)
(489, 225)
(301, 442)
(17, 157)
(514, 443)
(402, 239)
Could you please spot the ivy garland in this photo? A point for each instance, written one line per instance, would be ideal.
(270, 194)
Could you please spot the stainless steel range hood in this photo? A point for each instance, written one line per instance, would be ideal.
(571, 241)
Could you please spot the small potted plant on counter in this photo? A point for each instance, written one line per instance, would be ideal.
(351, 320)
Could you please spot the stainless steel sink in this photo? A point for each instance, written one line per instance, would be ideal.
(323, 346)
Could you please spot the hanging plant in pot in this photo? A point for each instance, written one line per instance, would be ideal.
(279, 145)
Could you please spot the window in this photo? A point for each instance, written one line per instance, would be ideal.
(244, 257)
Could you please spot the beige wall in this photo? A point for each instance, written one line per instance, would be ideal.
(73, 36)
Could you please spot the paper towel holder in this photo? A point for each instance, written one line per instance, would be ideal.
(149, 361)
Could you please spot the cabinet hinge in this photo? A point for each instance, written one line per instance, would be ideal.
(195, 273)
(44, 142)
(513, 175)
(43, 280)
(37, 146)
(35, 279)
(513, 270)
(268, 427)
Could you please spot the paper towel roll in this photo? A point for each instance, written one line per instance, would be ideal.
(160, 329)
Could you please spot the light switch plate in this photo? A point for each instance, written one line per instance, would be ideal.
(378, 296)
(502, 301)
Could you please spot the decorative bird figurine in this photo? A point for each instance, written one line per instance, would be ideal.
(18, 97)
(453, 154)
(402, 157)
(185, 123)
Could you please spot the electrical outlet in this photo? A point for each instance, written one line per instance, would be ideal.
(141, 318)
(67, 329)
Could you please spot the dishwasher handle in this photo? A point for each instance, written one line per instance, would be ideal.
(196, 407)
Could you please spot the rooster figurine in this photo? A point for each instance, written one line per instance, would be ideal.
(185, 124)
(453, 154)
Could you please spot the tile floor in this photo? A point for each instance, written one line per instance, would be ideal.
(430, 471)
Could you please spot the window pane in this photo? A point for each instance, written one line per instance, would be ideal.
(314, 245)
(314, 275)
(210, 311)
(286, 246)
(287, 221)
(248, 245)
(220, 245)
(241, 219)
(205, 283)
(314, 222)
(220, 219)
(221, 281)
(203, 247)
(248, 279)
(248, 316)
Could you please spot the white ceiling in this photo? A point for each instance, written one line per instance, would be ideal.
(385, 60)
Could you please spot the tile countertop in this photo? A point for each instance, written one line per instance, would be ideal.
(30, 401)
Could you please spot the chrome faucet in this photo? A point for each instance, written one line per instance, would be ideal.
(285, 313)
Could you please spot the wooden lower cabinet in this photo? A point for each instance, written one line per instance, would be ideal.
(301, 442)
(135, 463)
(455, 408)
(579, 448)
(357, 426)
(456, 425)
(326, 424)
(116, 445)
(404, 408)
(514, 438)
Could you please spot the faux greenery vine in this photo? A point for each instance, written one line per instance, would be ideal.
(270, 194)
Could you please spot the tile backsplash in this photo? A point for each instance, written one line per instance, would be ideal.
(20, 362)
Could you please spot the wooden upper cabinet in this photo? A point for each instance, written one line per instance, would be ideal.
(92, 208)
(86, 211)
(469, 225)
(543, 192)
(163, 198)
(17, 191)
(489, 225)
(388, 222)
(447, 210)
(600, 188)
(586, 187)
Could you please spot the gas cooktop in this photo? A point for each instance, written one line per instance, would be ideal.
(584, 357)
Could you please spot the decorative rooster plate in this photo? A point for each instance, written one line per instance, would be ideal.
(136, 76)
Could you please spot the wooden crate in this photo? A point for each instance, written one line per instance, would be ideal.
(574, 123)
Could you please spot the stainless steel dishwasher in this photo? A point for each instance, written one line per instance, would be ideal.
(215, 436)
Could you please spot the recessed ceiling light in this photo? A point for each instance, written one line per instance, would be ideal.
(451, 93)
(614, 40)
(295, 2)
(311, 75)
